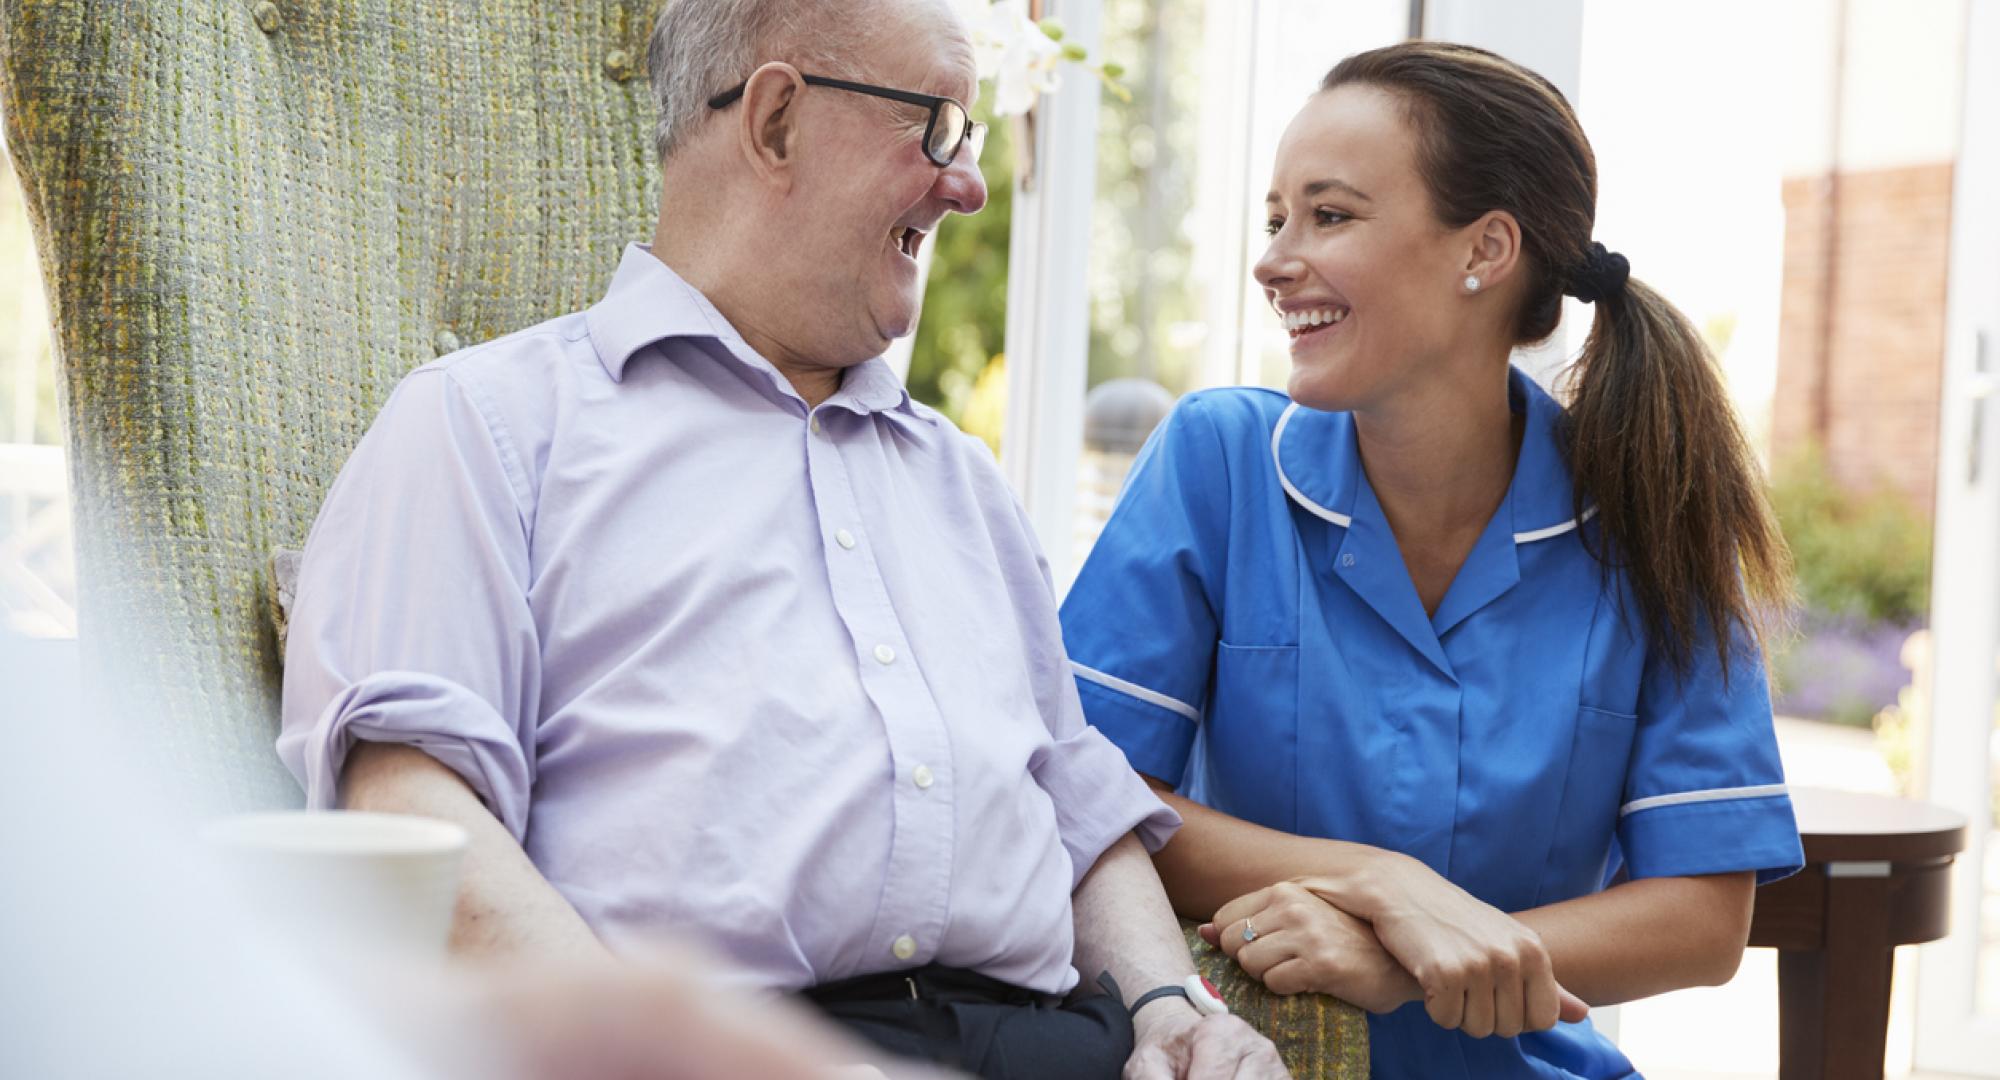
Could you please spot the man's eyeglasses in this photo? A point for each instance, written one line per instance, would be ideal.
(949, 128)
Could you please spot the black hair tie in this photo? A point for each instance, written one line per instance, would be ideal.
(1601, 276)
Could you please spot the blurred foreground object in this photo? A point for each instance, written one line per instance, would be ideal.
(128, 956)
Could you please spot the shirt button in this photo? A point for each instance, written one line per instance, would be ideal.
(814, 424)
(923, 778)
(885, 654)
(904, 947)
(845, 539)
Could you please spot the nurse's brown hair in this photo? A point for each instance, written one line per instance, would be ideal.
(1650, 438)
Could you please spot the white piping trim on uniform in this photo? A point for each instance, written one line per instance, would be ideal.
(1533, 535)
(1277, 433)
(1759, 791)
(1150, 697)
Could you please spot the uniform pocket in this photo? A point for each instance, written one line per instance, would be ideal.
(1250, 738)
(1594, 787)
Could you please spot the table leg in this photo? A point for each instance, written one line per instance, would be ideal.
(1833, 1003)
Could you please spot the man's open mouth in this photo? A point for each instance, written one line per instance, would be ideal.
(908, 239)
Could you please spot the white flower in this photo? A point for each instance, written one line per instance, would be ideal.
(1013, 52)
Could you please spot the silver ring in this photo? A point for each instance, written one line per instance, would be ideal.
(1249, 931)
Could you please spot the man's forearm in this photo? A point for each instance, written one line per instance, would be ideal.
(505, 907)
(1124, 925)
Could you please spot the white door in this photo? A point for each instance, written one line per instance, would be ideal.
(1958, 995)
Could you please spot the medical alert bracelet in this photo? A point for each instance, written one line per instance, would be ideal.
(1201, 993)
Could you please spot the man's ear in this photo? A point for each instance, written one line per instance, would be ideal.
(1495, 251)
(767, 132)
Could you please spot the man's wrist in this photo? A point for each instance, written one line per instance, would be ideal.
(1163, 1013)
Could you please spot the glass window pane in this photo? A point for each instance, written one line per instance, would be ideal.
(1177, 223)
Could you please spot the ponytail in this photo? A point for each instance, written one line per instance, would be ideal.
(1654, 446)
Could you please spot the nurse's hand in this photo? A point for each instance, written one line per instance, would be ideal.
(1305, 944)
(1482, 971)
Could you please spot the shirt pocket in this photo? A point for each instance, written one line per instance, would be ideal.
(1249, 752)
(1593, 789)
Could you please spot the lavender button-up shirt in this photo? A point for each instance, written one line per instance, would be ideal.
(787, 680)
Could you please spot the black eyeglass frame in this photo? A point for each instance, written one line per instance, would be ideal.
(974, 132)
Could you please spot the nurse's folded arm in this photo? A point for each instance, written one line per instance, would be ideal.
(1632, 940)
(1304, 944)
(1477, 969)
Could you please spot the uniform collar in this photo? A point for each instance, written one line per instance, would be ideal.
(1319, 465)
(648, 302)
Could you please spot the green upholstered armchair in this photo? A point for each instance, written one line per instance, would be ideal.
(253, 219)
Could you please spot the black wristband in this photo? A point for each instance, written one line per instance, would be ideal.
(1156, 993)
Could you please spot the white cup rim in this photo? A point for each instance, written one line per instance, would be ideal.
(335, 832)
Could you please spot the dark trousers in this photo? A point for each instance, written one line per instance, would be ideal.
(979, 1025)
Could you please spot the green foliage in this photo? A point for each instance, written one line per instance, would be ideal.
(1145, 299)
(1146, 316)
(964, 324)
(1863, 556)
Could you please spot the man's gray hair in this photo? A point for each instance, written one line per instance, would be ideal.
(701, 48)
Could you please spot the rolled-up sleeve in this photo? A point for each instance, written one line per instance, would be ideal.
(412, 623)
(1097, 795)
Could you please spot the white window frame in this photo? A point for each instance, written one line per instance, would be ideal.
(1048, 301)
(1951, 1035)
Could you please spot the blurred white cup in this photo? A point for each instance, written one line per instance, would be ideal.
(346, 885)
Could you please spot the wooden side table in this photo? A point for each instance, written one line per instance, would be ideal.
(1877, 875)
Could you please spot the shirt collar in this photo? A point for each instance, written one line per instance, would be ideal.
(1319, 465)
(648, 302)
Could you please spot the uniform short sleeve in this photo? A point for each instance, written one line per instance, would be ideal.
(412, 623)
(1140, 621)
(1705, 792)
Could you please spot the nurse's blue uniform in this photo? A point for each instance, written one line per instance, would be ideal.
(1245, 629)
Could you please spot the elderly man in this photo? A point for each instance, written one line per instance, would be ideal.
(704, 628)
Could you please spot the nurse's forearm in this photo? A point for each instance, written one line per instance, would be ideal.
(1215, 858)
(1648, 936)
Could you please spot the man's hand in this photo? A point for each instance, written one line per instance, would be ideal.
(1306, 944)
(1177, 1043)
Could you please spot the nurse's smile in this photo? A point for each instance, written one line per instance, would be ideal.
(1304, 320)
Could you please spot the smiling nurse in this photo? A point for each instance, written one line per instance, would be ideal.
(1461, 688)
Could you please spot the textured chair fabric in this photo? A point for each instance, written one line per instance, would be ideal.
(1318, 1036)
(253, 219)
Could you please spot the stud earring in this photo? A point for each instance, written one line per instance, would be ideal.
(1472, 283)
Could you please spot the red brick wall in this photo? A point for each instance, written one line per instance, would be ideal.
(1884, 369)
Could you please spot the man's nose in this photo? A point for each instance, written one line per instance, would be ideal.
(961, 185)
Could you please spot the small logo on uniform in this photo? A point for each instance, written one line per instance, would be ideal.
(1347, 559)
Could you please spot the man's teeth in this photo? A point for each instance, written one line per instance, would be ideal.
(907, 239)
(1306, 320)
